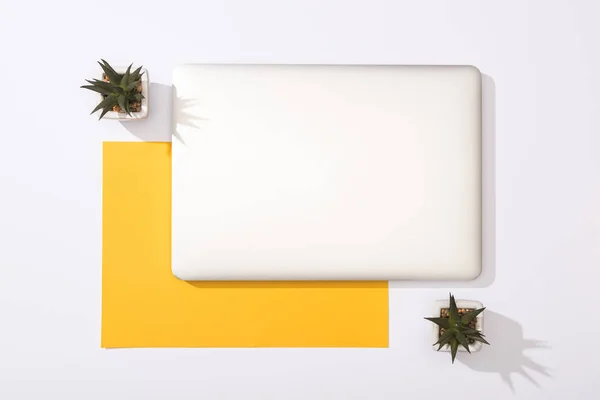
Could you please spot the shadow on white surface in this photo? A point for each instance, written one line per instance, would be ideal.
(506, 354)
(181, 113)
(157, 127)
(488, 188)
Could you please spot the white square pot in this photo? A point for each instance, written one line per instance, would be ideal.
(439, 304)
(134, 115)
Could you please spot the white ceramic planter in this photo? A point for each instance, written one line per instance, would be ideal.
(134, 115)
(439, 304)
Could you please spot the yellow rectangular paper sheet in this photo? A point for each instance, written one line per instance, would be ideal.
(144, 305)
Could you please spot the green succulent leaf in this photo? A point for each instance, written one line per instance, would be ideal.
(105, 85)
(467, 318)
(138, 97)
(463, 341)
(104, 111)
(453, 349)
(480, 339)
(96, 89)
(453, 311)
(447, 334)
(132, 85)
(441, 322)
(108, 101)
(127, 107)
(112, 75)
(123, 103)
(125, 79)
(444, 343)
(473, 334)
(100, 83)
(443, 340)
(135, 75)
(108, 65)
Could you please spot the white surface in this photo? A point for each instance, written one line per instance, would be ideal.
(541, 108)
(135, 116)
(326, 172)
(435, 331)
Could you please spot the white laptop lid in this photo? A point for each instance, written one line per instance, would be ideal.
(306, 172)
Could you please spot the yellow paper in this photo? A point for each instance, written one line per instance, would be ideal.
(144, 305)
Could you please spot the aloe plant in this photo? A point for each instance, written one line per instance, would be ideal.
(119, 91)
(457, 329)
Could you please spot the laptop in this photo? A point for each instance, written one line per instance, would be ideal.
(326, 172)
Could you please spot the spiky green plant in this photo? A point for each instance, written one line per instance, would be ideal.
(121, 89)
(457, 330)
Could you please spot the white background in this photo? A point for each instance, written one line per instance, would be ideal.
(542, 195)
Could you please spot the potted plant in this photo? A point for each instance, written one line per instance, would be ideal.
(122, 93)
(458, 326)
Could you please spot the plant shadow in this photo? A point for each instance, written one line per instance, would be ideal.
(182, 117)
(488, 199)
(506, 353)
(159, 126)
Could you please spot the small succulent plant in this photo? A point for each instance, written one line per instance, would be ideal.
(457, 329)
(120, 92)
